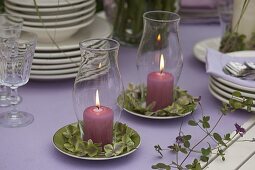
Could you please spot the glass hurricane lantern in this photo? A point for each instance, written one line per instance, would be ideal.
(96, 88)
(159, 57)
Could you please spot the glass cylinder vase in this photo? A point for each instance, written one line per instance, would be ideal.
(96, 89)
(159, 58)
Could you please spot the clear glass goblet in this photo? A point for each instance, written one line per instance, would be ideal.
(15, 64)
(10, 28)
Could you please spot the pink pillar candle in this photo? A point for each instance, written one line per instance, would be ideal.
(98, 124)
(160, 88)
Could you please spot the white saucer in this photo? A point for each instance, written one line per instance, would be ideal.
(55, 72)
(45, 3)
(68, 9)
(229, 89)
(50, 17)
(200, 48)
(156, 117)
(58, 23)
(64, 54)
(57, 61)
(222, 98)
(100, 28)
(54, 66)
(52, 77)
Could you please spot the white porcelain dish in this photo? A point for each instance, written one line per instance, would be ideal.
(222, 92)
(100, 28)
(46, 3)
(52, 77)
(200, 48)
(223, 98)
(35, 17)
(58, 54)
(55, 72)
(46, 11)
(54, 66)
(58, 34)
(229, 89)
(57, 61)
(57, 23)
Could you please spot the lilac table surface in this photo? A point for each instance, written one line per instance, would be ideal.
(31, 148)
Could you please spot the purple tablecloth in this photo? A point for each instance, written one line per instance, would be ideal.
(31, 148)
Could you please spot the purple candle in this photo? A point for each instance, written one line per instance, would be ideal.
(160, 87)
(98, 123)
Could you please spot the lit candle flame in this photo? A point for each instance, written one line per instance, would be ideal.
(161, 63)
(97, 100)
(159, 37)
(100, 65)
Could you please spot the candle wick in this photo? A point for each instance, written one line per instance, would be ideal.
(98, 107)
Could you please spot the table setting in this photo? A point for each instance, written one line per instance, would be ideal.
(90, 99)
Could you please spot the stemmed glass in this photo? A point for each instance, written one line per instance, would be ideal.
(10, 28)
(15, 63)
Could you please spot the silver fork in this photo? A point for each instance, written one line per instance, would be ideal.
(239, 70)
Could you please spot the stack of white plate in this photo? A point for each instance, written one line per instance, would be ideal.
(55, 19)
(61, 61)
(222, 89)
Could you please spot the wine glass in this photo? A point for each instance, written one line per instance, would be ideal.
(15, 64)
(10, 28)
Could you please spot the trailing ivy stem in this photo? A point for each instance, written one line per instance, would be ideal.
(202, 139)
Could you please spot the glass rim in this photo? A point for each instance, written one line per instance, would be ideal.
(116, 47)
(161, 20)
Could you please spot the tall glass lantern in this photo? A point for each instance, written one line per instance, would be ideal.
(159, 58)
(96, 89)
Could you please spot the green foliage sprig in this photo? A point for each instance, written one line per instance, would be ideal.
(125, 140)
(183, 145)
(233, 41)
(135, 100)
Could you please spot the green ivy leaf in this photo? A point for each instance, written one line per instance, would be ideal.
(91, 149)
(227, 137)
(161, 166)
(204, 158)
(192, 123)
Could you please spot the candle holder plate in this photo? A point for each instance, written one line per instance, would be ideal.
(135, 104)
(58, 142)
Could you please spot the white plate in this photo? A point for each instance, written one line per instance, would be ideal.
(56, 145)
(156, 117)
(236, 86)
(231, 84)
(58, 23)
(50, 17)
(45, 3)
(200, 48)
(229, 89)
(57, 61)
(55, 72)
(58, 34)
(100, 28)
(50, 55)
(222, 98)
(52, 77)
(55, 66)
(222, 92)
(46, 11)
